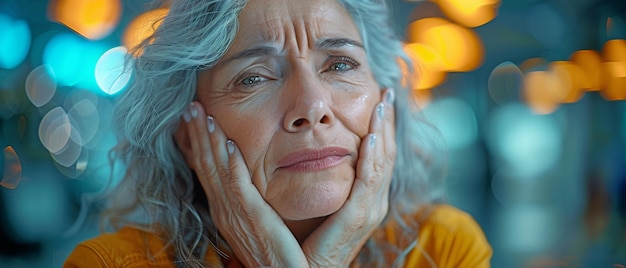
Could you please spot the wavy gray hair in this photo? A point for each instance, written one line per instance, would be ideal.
(157, 181)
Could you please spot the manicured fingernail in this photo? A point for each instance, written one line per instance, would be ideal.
(210, 124)
(372, 140)
(193, 110)
(380, 110)
(230, 146)
(390, 97)
(186, 116)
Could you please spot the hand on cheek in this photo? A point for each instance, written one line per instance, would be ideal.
(338, 241)
(239, 212)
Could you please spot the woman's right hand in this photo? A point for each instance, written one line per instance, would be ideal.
(252, 228)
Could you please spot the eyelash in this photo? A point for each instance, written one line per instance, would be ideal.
(342, 59)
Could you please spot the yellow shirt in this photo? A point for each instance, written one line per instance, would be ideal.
(448, 237)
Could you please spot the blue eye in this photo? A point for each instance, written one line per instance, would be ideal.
(343, 64)
(248, 81)
(340, 67)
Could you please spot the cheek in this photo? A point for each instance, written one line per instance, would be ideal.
(356, 111)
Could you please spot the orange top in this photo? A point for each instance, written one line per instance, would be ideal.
(448, 237)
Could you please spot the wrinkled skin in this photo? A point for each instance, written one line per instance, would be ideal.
(296, 79)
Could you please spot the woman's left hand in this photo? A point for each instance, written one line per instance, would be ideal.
(339, 239)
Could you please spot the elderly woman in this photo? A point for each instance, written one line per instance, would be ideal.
(276, 133)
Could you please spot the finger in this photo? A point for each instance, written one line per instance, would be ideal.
(218, 141)
(202, 149)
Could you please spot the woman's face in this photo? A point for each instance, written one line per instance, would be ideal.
(296, 93)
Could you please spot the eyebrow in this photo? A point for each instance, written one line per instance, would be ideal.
(334, 43)
(325, 43)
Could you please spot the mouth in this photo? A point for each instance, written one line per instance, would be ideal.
(312, 160)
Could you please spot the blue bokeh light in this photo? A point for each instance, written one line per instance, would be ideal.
(73, 60)
(14, 41)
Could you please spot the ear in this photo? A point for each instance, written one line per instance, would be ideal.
(181, 137)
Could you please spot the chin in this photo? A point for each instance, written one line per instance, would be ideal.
(317, 201)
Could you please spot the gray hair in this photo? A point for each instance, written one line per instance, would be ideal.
(157, 181)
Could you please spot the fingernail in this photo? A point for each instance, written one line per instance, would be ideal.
(193, 110)
(210, 124)
(186, 116)
(230, 146)
(380, 110)
(372, 140)
(390, 96)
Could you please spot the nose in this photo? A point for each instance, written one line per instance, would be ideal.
(308, 102)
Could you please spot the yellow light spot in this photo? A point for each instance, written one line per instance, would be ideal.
(541, 91)
(93, 19)
(459, 47)
(614, 73)
(142, 27)
(12, 169)
(569, 77)
(614, 50)
(427, 66)
(589, 62)
(470, 13)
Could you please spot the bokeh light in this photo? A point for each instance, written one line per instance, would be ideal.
(68, 155)
(505, 83)
(614, 51)
(528, 228)
(460, 48)
(73, 60)
(14, 41)
(40, 85)
(456, 120)
(590, 62)
(614, 75)
(569, 80)
(543, 91)
(111, 74)
(84, 117)
(12, 174)
(427, 66)
(93, 19)
(142, 27)
(470, 13)
(526, 143)
(55, 130)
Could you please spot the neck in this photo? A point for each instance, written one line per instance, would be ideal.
(303, 228)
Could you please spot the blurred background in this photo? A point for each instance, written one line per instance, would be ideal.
(529, 95)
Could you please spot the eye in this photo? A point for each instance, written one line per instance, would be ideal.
(343, 64)
(252, 80)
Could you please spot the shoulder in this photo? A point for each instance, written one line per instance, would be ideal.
(449, 237)
(128, 247)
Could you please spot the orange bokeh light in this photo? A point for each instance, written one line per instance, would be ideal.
(614, 50)
(142, 27)
(469, 13)
(427, 66)
(542, 91)
(93, 19)
(589, 62)
(614, 73)
(459, 47)
(569, 80)
(12, 169)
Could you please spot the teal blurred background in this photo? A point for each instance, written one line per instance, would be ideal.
(529, 95)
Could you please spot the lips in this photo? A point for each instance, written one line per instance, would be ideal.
(312, 160)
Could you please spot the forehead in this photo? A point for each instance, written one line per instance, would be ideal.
(281, 21)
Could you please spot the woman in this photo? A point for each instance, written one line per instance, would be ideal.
(286, 153)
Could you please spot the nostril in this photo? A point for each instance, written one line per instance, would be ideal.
(298, 122)
(324, 120)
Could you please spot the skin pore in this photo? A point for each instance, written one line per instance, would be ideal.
(295, 81)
